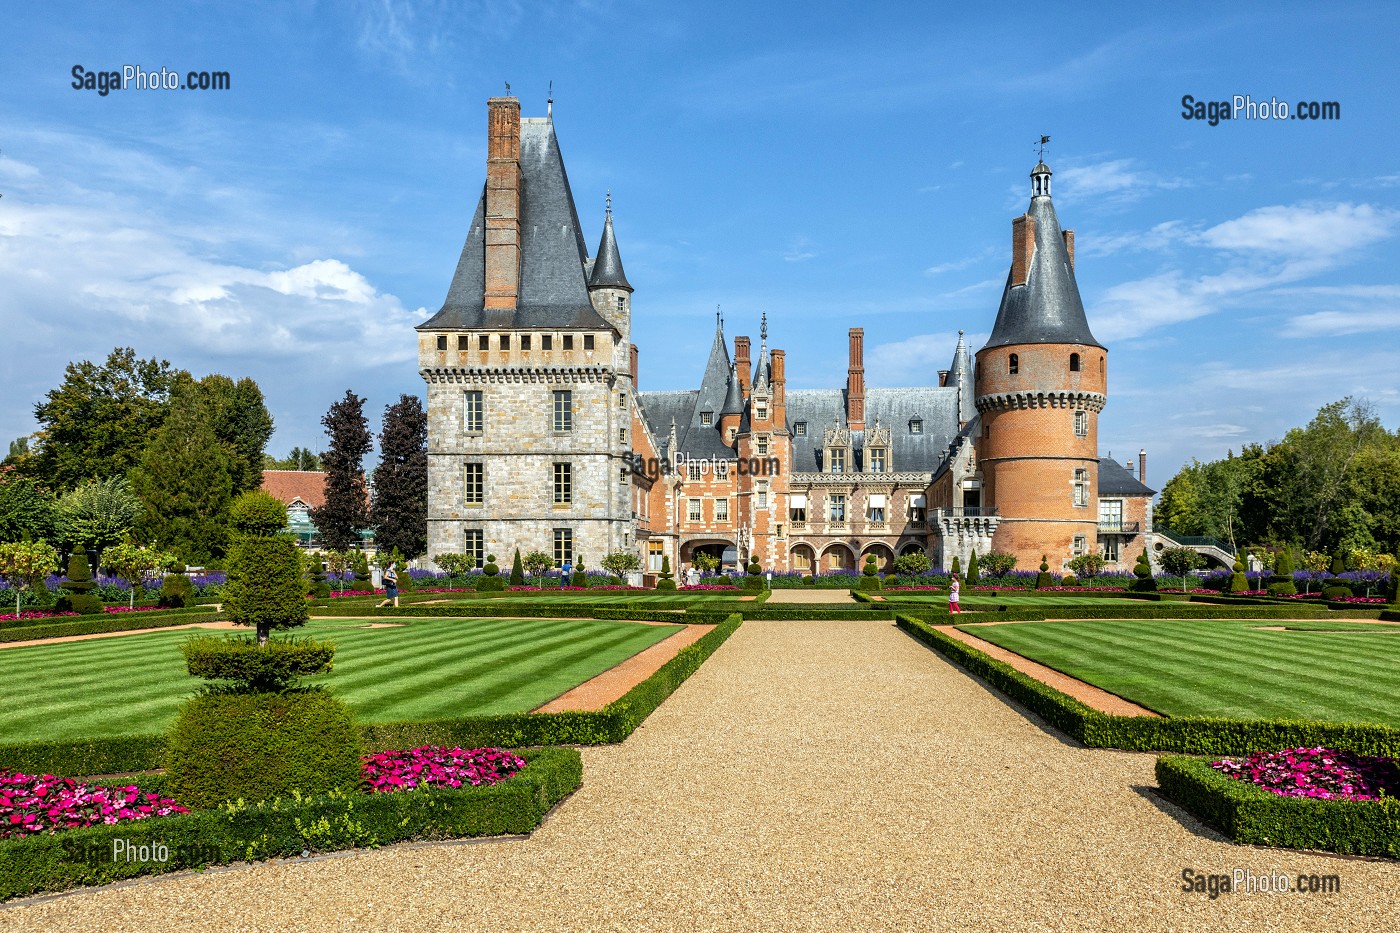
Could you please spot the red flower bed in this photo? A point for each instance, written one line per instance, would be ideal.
(32, 804)
(29, 614)
(1316, 772)
(435, 766)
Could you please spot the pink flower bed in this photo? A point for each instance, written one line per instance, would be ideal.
(710, 586)
(32, 804)
(1361, 599)
(558, 589)
(113, 610)
(1316, 772)
(435, 766)
(28, 614)
(917, 589)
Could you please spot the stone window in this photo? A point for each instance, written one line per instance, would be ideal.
(622, 400)
(721, 510)
(474, 545)
(473, 415)
(621, 303)
(588, 341)
(707, 418)
(623, 476)
(760, 410)
(1081, 423)
(442, 342)
(622, 436)
(524, 341)
(563, 483)
(800, 428)
(563, 546)
(563, 411)
(692, 513)
(1014, 363)
(1074, 362)
(546, 341)
(692, 470)
(877, 510)
(463, 343)
(763, 445)
(483, 342)
(473, 484)
(721, 469)
(836, 507)
(1077, 548)
(656, 554)
(568, 341)
(505, 342)
(836, 460)
(877, 459)
(1081, 488)
(916, 426)
(797, 509)
(1109, 546)
(761, 496)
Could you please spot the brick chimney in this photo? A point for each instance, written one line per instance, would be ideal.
(502, 203)
(741, 359)
(855, 381)
(1142, 465)
(1069, 246)
(632, 361)
(1022, 246)
(779, 384)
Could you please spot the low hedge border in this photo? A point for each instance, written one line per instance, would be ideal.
(1040, 613)
(821, 613)
(1253, 816)
(1196, 735)
(287, 827)
(120, 622)
(613, 723)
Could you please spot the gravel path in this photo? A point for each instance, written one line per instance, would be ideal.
(811, 776)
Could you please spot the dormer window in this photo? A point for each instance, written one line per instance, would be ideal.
(916, 426)
(760, 410)
(800, 429)
(836, 460)
(707, 418)
(877, 459)
(1014, 363)
(1074, 362)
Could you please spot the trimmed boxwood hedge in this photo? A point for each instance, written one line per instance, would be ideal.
(287, 827)
(613, 723)
(1197, 735)
(1253, 816)
(939, 612)
(116, 622)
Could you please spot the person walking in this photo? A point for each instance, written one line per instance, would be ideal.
(391, 587)
(567, 572)
(954, 587)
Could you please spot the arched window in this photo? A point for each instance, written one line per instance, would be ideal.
(1074, 362)
(1100, 366)
(1015, 363)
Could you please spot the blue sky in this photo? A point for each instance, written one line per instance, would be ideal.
(830, 164)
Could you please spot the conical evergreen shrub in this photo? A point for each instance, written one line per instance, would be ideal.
(666, 582)
(517, 571)
(1238, 581)
(972, 573)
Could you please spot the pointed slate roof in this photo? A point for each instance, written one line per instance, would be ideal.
(714, 384)
(1114, 480)
(733, 395)
(553, 288)
(1047, 309)
(607, 264)
(960, 379)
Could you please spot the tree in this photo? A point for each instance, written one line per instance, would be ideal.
(1086, 566)
(299, 459)
(912, 564)
(97, 514)
(136, 565)
(345, 510)
(973, 571)
(1239, 583)
(1179, 562)
(25, 565)
(1325, 453)
(621, 563)
(26, 508)
(240, 420)
(264, 587)
(339, 563)
(998, 563)
(517, 570)
(95, 425)
(1316, 564)
(538, 563)
(705, 562)
(400, 510)
(1145, 582)
(186, 479)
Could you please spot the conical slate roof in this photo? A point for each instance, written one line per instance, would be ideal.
(733, 396)
(960, 378)
(607, 264)
(1047, 309)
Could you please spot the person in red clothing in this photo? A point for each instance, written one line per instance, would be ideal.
(953, 588)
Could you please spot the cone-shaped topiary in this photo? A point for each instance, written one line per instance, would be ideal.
(1043, 579)
(490, 580)
(957, 564)
(1145, 582)
(1339, 565)
(363, 580)
(1281, 583)
(972, 573)
(1238, 581)
(666, 582)
(77, 587)
(869, 575)
(517, 570)
(264, 587)
(580, 578)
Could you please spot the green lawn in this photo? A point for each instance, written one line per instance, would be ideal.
(612, 597)
(1029, 599)
(1318, 670)
(429, 669)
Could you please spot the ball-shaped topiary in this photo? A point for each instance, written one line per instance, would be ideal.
(1069, 579)
(869, 575)
(1336, 592)
(580, 578)
(1238, 581)
(753, 574)
(809, 580)
(666, 582)
(257, 513)
(77, 587)
(176, 591)
(1145, 582)
(1043, 578)
(490, 580)
(257, 746)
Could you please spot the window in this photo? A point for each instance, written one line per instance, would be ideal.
(707, 418)
(692, 470)
(622, 400)
(800, 428)
(546, 341)
(836, 507)
(505, 341)
(1110, 514)
(877, 512)
(463, 343)
(568, 341)
(624, 476)
(656, 554)
(763, 445)
(1078, 546)
(877, 460)
(721, 510)
(836, 460)
(474, 545)
(1081, 487)
(524, 341)
(563, 546)
(1074, 362)
(472, 415)
(442, 342)
(622, 435)
(1110, 548)
(761, 496)
(780, 529)
(483, 342)
(473, 484)
(563, 411)
(916, 426)
(621, 303)
(1014, 363)
(588, 341)
(563, 483)
(721, 469)
(1081, 423)
(692, 513)
(798, 513)
(760, 410)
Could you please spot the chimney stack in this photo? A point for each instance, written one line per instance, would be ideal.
(502, 203)
(741, 358)
(1022, 246)
(1142, 465)
(779, 385)
(1069, 246)
(855, 382)
(632, 361)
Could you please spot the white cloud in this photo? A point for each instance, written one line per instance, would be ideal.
(1337, 323)
(800, 250)
(915, 360)
(1116, 181)
(1300, 231)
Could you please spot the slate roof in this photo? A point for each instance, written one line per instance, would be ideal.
(692, 438)
(926, 452)
(606, 269)
(960, 377)
(553, 288)
(1047, 309)
(1114, 480)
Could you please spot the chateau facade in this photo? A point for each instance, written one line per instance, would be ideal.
(539, 438)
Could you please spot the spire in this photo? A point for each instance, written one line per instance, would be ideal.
(764, 375)
(960, 378)
(733, 396)
(1040, 303)
(607, 266)
(714, 385)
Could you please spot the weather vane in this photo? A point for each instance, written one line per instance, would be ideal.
(1040, 150)
(507, 88)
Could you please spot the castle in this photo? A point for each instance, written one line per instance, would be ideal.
(539, 439)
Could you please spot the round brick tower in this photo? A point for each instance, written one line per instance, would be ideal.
(1040, 383)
